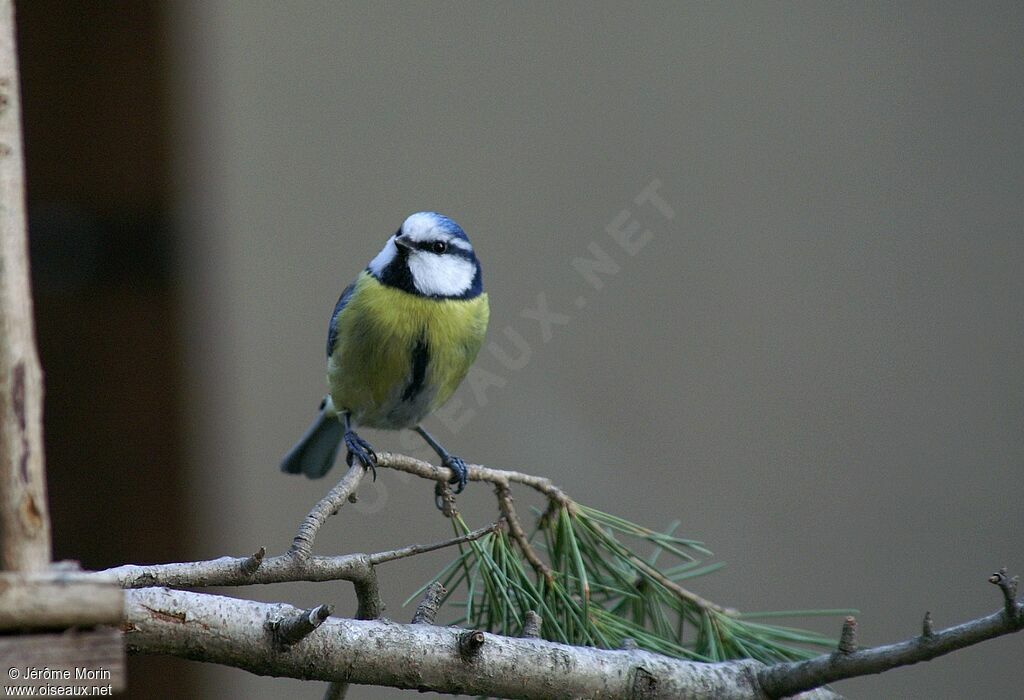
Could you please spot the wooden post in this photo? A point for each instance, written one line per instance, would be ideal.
(24, 518)
(33, 594)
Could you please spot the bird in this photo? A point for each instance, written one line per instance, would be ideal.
(401, 339)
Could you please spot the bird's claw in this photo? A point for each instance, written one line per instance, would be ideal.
(360, 449)
(460, 472)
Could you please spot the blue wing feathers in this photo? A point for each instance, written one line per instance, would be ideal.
(332, 328)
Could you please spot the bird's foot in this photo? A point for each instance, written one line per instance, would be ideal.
(442, 494)
(460, 472)
(360, 449)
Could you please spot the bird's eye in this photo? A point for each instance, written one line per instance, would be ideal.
(439, 247)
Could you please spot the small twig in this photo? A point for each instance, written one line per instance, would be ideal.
(628, 643)
(515, 528)
(848, 637)
(470, 642)
(253, 562)
(1009, 588)
(336, 691)
(789, 678)
(532, 625)
(293, 628)
(230, 571)
(426, 611)
(302, 544)
(413, 549)
(927, 627)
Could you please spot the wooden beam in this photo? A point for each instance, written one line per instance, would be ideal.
(72, 659)
(58, 600)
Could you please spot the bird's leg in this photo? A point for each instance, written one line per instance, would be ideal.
(358, 448)
(460, 473)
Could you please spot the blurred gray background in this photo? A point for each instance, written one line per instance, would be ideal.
(815, 364)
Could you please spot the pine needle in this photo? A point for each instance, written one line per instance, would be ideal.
(599, 592)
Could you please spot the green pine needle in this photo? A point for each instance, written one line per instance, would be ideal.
(600, 592)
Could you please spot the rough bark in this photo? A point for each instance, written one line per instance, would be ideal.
(239, 633)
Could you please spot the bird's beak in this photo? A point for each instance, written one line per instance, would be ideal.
(403, 243)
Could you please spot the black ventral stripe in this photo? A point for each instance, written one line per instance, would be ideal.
(420, 358)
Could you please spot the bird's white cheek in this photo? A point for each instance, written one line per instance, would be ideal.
(443, 275)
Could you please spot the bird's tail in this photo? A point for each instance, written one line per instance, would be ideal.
(315, 452)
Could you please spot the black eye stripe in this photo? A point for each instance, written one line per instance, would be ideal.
(429, 246)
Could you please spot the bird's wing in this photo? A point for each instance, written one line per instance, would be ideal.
(332, 328)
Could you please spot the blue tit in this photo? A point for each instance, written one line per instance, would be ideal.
(400, 340)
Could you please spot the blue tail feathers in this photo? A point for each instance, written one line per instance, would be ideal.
(315, 452)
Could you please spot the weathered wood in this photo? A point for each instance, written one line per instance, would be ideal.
(24, 518)
(83, 659)
(58, 600)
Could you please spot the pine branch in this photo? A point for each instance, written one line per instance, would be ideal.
(278, 639)
(508, 512)
(502, 479)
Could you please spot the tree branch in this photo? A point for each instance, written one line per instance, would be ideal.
(451, 660)
(277, 639)
(784, 679)
(508, 511)
(425, 470)
(302, 544)
(424, 657)
(239, 571)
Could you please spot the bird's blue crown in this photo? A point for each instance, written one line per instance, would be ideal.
(440, 222)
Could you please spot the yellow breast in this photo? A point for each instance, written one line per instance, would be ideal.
(399, 356)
